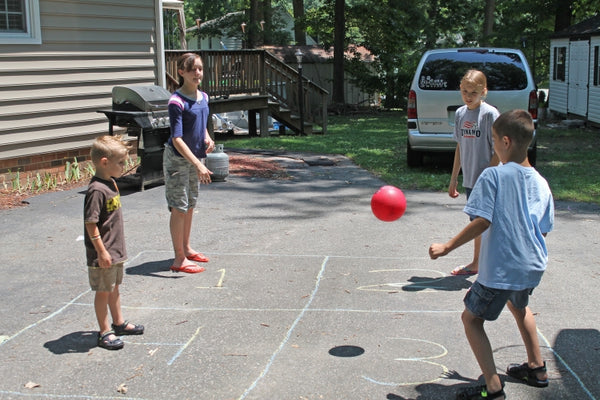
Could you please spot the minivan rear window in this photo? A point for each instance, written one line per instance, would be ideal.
(443, 71)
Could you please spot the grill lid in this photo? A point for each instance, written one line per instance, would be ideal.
(140, 98)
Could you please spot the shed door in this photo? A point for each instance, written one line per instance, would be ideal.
(579, 64)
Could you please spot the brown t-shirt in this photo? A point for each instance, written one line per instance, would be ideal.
(103, 207)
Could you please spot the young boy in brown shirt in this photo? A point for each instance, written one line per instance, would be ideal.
(105, 240)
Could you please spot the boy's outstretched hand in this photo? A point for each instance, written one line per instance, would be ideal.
(470, 232)
(438, 250)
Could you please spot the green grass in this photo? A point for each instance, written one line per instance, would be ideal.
(569, 160)
(377, 142)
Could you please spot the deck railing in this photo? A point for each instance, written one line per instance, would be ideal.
(245, 72)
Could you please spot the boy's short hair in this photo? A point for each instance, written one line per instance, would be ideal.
(108, 146)
(517, 125)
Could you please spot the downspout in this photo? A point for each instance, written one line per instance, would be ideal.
(160, 46)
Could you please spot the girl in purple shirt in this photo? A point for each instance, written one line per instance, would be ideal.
(183, 159)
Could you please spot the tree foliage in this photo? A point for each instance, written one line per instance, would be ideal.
(229, 15)
(397, 32)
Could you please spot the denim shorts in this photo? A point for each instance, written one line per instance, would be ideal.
(487, 303)
(181, 181)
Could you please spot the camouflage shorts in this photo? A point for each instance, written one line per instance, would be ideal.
(181, 181)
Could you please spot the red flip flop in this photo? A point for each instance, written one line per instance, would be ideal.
(190, 269)
(198, 257)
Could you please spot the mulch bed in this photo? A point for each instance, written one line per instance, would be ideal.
(250, 166)
(241, 165)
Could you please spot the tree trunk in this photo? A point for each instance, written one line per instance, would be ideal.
(338, 97)
(563, 15)
(299, 34)
(488, 23)
(267, 33)
(431, 32)
(251, 27)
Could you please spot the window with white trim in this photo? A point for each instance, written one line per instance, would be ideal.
(20, 22)
(559, 72)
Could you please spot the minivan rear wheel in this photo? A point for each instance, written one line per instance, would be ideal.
(414, 158)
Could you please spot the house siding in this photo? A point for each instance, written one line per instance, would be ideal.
(50, 93)
(558, 90)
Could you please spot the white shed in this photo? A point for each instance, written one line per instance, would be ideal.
(575, 71)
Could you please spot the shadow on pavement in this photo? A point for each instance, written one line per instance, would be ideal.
(75, 342)
(447, 283)
(437, 391)
(153, 268)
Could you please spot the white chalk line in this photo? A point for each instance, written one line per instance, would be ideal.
(55, 313)
(289, 333)
(416, 359)
(293, 310)
(182, 349)
(397, 384)
(330, 256)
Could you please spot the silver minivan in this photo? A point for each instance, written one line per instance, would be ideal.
(435, 95)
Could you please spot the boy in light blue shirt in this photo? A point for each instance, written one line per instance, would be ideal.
(513, 209)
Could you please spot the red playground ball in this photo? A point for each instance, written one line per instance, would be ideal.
(388, 203)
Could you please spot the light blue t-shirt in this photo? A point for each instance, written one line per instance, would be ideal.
(518, 203)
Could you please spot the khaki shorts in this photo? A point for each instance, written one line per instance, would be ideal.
(105, 279)
(181, 181)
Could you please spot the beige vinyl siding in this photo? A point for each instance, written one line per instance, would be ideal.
(50, 93)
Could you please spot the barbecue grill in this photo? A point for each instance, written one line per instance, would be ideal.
(142, 109)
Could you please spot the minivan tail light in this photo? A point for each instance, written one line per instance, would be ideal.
(411, 108)
(533, 104)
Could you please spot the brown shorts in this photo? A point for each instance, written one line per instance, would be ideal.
(105, 279)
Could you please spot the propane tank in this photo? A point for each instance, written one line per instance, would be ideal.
(218, 163)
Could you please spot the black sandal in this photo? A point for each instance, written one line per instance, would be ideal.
(106, 343)
(528, 375)
(122, 329)
(479, 392)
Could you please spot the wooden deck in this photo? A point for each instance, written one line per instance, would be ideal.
(256, 81)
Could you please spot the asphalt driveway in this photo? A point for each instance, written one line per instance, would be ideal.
(306, 296)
